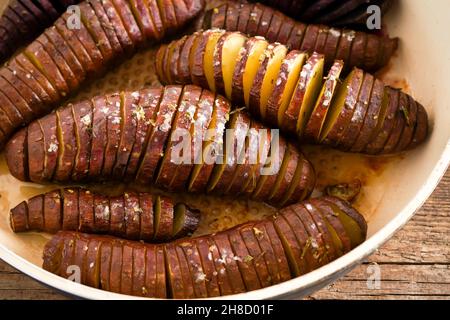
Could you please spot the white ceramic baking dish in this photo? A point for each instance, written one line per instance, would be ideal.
(423, 60)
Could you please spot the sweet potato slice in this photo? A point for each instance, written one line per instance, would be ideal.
(52, 211)
(18, 218)
(421, 130)
(222, 175)
(129, 21)
(209, 270)
(70, 209)
(113, 117)
(17, 155)
(126, 275)
(92, 24)
(174, 155)
(86, 208)
(129, 107)
(37, 76)
(67, 144)
(108, 27)
(82, 114)
(132, 215)
(191, 288)
(142, 15)
(68, 75)
(105, 265)
(378, 142)
(305, 95)
(163, 226)
(176, 287)
(400, 124)
(41, 59)
(190, 259)
(147, 217)
(226, 252)
(353, 130)
(377, 107)
(139, 268)
(118, 224)
(342, 108)
(185, 220)
(145, 115)
(184, 59)
(12, 115)
(284, 87)
(265, 80)
(267, 253)
(35, 146)
(410, 114)
(149, 288)
(36, 213)
(115, 276)
(213, 145)
(318, 115)
(16, 103)
(283, 265)
(99, 131)
(157, 141)
(102, 214)
(257, 254)
(93, 263)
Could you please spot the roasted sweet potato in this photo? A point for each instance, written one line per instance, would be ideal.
(98, 140)
(55, 65)
(331, 12)
(25, 19)
(80, 210)
(259, 20)
(247, 257)
(288, 90)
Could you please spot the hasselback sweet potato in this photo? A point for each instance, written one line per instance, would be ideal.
(356, 48)
(330, 12)
(133, 216)
(174, 137)
(55, 65)
(23, 20)
(299, 94)
(254, 255)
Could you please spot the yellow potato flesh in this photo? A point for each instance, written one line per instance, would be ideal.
(312, 92)
(293, 76)
(208, 60)
(252, 66)
(281, 173)
(336, 107)
(230, 53)
(272, 71)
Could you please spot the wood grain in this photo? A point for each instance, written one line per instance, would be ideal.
(414, 264)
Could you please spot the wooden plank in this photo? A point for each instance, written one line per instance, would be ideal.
(414, 264)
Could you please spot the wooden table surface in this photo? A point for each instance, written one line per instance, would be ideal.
(414, 264)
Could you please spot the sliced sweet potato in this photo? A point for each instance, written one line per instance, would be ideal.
(36, 213)
(52, 211)
(176, 287)
(132, 215)
(264, 82)
(191, 289)
(147, 218)
(143, 17)
(70, 209)
(305, 95)
(410, 114)
(149, 288)
(351, 133)
(157, 141)
(128, 128)
(257, 254)
(18, 218)
(102, 214)
(192, 269)
(400, 124)
(283, 265)
(179, 134)
(318, 115)
(126, 275)
(118, 224)
(342, 108)
(67, 144)
(105, 265)
(284, 87)
(209, 270)
(115, 276)
(17, 155)
(99, 131)
(82, 115)
(212, 142)
(144, 114)
(164, 217)
(139, 268)
(227, 253)
(93, 263)
(35, 146)
(86, 208)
